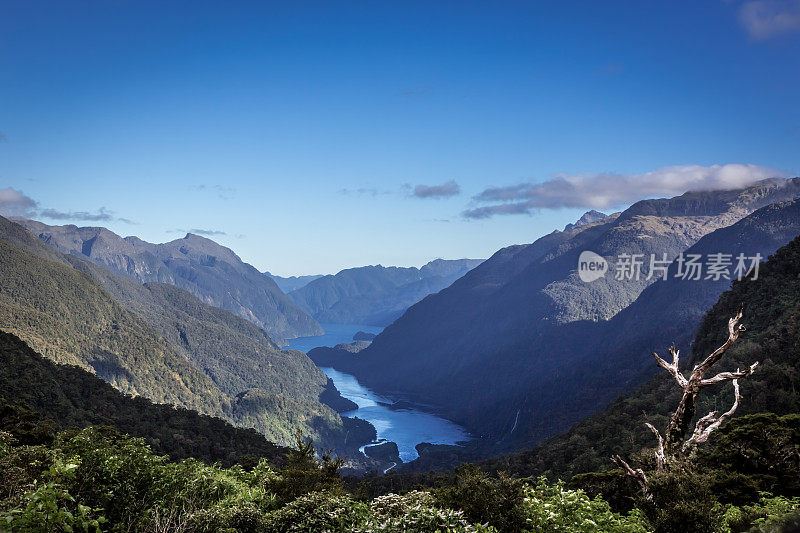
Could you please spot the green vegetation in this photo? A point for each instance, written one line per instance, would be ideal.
(96, 479)
(745, 477)
(275, 391)
(160, 342)
(68, 396)
(235, 353)
(69, 319)
(772, 317)
(99, 480)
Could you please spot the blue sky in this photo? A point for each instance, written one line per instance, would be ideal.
(314, 136)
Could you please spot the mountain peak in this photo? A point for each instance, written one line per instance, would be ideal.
(193, 263)
(587, 218)
(199, 238)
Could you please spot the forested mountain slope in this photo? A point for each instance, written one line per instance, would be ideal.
(235, 353)
(157, 340)
(376, 295)
(68, 396)
(490, 350)
(68, 318)
(772, 317)
(211, 272)
(241, 360)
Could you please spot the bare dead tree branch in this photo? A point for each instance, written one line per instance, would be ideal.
(681, 419)
(711, 422)
(661, 459)
(673, 446)
(734, 330)
(725, 376)
(672, 368)
(638, 474)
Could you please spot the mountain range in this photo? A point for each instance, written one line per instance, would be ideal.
(291, 283)
(520, 348)
(516, 348)
(159, 341)
(202, 267)
(771, 305)
(376, 295)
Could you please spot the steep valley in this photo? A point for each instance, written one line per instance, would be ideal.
(520, 349)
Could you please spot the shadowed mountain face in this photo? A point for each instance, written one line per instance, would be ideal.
(376, 295)
(608, 358)
(211, 272)
(516, 349)
(292, 283)
(159, 341)
(771, 310)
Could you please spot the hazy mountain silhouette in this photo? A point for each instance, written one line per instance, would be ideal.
(376, 295)
(291, 283)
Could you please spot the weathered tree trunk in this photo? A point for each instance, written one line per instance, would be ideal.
(674, 447)
(681, 419)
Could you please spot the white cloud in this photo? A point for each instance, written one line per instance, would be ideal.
(767, 18)
(101, 215)
(207, 232)
(14, 203)
(444, 190)
(608, 190)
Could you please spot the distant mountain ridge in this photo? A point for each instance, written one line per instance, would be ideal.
(292, 283)
(376, 295)
(211, 272)
(502, 348)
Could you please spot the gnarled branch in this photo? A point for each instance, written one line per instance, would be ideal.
(672, 368)
(638, 474)
(734, 330)
(681, 419)
(711, 422)
(725, 376)
(672, 447)
(661, 459)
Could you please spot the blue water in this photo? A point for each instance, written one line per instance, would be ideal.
(405, 427)
(334, 334)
